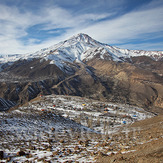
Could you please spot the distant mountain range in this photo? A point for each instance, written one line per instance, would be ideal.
(85, 67)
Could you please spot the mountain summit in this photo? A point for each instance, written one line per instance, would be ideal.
(79, 48)
(82, 47)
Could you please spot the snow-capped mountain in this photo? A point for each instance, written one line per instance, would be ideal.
(81, 47)
(81, 62)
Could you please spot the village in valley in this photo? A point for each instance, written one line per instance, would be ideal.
(97, 115)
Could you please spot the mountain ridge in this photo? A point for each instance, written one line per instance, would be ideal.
(81, 47)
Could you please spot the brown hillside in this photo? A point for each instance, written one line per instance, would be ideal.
(147, 143)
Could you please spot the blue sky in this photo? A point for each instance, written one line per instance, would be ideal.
(30, 25)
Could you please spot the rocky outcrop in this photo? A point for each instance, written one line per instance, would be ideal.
(1, 154)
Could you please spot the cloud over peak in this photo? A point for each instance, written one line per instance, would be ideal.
(29, 26)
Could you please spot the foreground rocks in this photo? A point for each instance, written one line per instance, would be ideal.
(1, 154)
(38, 133)
(20, 153)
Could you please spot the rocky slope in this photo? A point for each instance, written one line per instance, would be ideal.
(59, 128)
(142, 143)
(5, 104)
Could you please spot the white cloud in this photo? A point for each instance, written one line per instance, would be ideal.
(14, 25)
(122, 29)
(56, 17)
(128, 26)
(143, 46)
